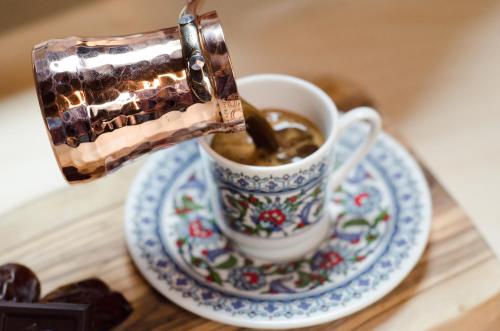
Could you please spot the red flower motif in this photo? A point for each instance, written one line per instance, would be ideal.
(292, 199)
(253, 200)
(196, 229)
(358, 199)
(360, 258)
(179, 242)
(251, 277)
(244, 204)
(330, 260)
(274, 216)
(320, 279)
(386, 217)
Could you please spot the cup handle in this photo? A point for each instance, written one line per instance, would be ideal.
(360, 114)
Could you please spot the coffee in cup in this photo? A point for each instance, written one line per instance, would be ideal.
(297, 138)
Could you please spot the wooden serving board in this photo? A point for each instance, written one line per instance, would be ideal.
(78, 232)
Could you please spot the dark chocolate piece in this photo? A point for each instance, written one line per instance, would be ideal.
(17, 316)
(108, 308)
(18, 283)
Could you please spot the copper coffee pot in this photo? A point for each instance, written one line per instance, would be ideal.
(105, 101)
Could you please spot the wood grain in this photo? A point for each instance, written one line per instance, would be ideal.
(484, 317)
(431, 65)
(78, 232)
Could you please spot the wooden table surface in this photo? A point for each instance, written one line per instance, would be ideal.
(78, 232)
(432, 65)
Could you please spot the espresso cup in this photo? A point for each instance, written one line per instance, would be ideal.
(280, 213)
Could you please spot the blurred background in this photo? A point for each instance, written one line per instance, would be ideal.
(431, 67)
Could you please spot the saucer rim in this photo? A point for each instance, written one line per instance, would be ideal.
(297, 321)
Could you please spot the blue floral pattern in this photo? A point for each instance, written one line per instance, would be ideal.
(363, 200)
(355, 240)
(274, 216)
(386, 241)
(247, 278)
(271, 206)
(269, 184)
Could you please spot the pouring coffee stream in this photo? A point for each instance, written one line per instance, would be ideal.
(258, 128)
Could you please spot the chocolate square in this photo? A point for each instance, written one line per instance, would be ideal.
(16, 316)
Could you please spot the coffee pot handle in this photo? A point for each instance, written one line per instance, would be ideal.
(191, 7)
(354, 116)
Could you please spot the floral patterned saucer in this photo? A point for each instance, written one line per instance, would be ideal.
(380, 221)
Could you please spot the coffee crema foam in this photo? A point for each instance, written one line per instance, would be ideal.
(297, 137)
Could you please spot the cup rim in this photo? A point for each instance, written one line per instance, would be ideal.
(326, 147)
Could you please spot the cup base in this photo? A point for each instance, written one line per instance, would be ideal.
(312, 241)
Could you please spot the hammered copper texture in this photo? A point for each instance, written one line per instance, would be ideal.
(106, 101)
